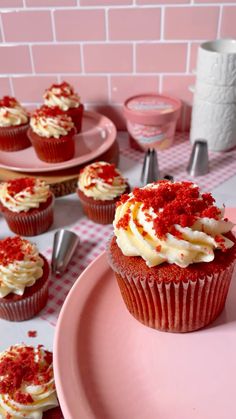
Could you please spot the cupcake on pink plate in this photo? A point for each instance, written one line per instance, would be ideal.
(64, 97)
(52, 133)
(27, 205)
(100, 186)
(14, 123)
(24, 281)
(173, 255)
(27, 385)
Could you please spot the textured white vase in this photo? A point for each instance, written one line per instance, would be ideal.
(213, 93)
(215, 123)
(216, 62)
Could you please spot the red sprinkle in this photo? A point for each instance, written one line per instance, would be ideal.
(106, 172)
(18, 368)
(181, 204)
(11, 250)
(32, 333)
(8, 102)
(45, 111)
(17, 185)
(65, 88)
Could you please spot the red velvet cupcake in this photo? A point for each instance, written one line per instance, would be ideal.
(64, 96)
(24, 279)
(100, 186)
(27, 205)
(14, 123)
(173, 256)
(27, 383)
(51, 133)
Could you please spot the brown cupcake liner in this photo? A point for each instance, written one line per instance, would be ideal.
(99, 213)
(175, 307)
(27, 224)
(27, 307)
(14, 138)
(53, 150)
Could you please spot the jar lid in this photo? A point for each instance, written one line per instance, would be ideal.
(152, 108)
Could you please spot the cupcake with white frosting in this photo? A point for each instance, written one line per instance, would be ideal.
(173, 255)
(27, 385)
(100, 186)
(27, 205)
(14, 123)
(52, 134)
(24, 277)
(64, 97)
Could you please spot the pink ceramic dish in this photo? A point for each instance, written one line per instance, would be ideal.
(97, 136)
(107, 365)
(151, 120)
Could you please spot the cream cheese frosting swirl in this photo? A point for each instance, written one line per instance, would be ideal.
(20, 265)
(170, 222)
(27, 387)
(101, 181)
(23, 194)
(12, 113)
(61, 95)
(51, 122)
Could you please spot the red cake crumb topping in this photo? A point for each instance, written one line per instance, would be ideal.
(106, 172)
(19, 368)
(181, 203)
(45, 111)
(11, 250)
(17, 185)
(8, 102)
(65, 88)
(32, 333)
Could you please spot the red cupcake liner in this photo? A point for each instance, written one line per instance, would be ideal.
(26, 307)
(183, 306)
(14, 138)
(53, 150)
(76, 115)
(54, 413)
(30, 224)
(99, 213)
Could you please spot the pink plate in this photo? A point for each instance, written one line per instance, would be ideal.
(97, 135)
(110, 366)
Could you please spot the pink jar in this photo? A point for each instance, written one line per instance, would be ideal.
(151, 120)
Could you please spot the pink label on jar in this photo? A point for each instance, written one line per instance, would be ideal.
(150, 104)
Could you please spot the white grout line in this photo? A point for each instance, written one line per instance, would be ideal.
(124, 6)
(134, 59)
(53, 25)
(106, 25)
(109, 88)
(32, 60)
(82, 59)
(143, 74)
(219, 21)
(162, 23)
(1, 28)
(116, 42)
(11, 87)
(160, 83)
(188, 57)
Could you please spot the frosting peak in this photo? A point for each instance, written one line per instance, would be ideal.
(51, 122)
(23, 194)
(170, 222)
(27, 387)
(101, 181)
(61, 95)
(12, 113)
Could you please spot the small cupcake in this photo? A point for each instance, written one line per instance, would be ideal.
(24, 281)
(51, 133)
(14, 123)
(64, 96)
(100, 185)
(27, 385)
(27, 205)
(173, 255)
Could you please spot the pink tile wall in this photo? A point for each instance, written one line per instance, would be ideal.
(108, 49)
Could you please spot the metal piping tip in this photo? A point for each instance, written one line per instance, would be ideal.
(198, 163)
(150, 170)
(64, 245)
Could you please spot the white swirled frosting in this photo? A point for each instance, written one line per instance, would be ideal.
(170, 222)
(61, 95)
(23, 194)
(12, 113)
(20, 265)
(51, 122)
(101, 181)
(27, 387)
